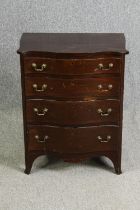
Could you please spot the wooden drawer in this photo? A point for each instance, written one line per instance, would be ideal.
(73, 140)
(71, 88)
(72, 66)
(73, 112)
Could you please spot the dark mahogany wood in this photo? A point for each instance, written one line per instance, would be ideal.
(75, 88)
(73, 140)
(69, 43)
(72, 66)
(73, 112)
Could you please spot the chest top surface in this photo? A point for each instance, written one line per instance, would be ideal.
(72, 43)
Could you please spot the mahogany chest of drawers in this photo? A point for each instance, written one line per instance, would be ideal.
(72, 90)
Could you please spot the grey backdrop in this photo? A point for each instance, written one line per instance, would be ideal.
(20, 16)
(60, 185)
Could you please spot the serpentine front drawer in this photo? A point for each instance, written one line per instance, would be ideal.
(73, 140)
(76, 113)
(53, 66)
(72, 88)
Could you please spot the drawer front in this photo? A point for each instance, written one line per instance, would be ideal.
(71, 88)
(73, 140)
(73, 112)
(72, 66)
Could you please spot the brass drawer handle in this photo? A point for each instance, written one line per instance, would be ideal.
(102, 68)
(108, 138)
(43, 67)
(39, 140)
(104, 114)
(109, 87)
(39, 113)
(44, 87)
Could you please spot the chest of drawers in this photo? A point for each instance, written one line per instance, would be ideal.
(72, 90)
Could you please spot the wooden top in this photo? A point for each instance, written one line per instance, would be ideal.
(72, 43)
